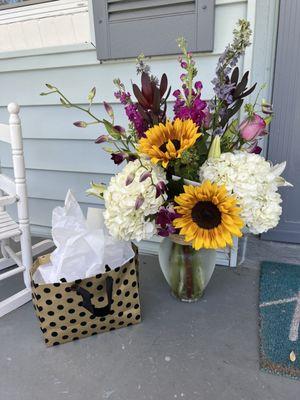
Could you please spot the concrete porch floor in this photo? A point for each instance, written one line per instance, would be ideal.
(202, 351)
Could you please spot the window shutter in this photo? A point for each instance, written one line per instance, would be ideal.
(126, 28)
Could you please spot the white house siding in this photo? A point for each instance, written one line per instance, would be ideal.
(60, 156)
(61, 22)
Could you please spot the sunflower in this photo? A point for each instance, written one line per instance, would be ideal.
(209, 216)
(165, 142)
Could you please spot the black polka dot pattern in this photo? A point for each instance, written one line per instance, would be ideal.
(60, 309)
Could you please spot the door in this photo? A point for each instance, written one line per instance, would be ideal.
(284, 138)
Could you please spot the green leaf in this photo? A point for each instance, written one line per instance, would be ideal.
(175, 188)
(229, 135)
(268, 120)
(111, 130)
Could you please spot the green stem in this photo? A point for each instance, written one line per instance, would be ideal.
(80, 108)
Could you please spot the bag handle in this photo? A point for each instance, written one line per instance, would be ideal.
(86, 298)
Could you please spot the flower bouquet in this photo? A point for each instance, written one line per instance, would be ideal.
(194, 174)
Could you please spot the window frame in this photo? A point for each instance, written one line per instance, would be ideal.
(27, 3)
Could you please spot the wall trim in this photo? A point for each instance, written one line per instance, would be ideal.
(71, 55)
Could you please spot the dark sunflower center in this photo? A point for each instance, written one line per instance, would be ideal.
(206, 215)
(175, 142)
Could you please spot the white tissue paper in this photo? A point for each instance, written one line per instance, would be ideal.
(82, 249)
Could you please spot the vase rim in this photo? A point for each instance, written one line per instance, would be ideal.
(179, 239)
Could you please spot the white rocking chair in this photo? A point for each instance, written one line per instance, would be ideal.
(15, 191)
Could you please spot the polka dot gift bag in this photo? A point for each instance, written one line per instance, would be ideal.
(71, 310)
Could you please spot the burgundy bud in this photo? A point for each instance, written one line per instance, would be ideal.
(102, 139)
(139, 201)
(119, 129)
(144, 176)
(257, 150)
(80, 124)
(118, 158)
(254, 148)
(198, 85)
(183, 64)
(108, 109)
(160, 188)
(129, 179)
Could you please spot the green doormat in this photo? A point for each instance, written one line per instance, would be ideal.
(279, 306)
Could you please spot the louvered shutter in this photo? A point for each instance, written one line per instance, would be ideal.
(126, 28)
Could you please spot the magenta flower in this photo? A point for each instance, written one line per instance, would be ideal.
(124, 97)
(135, 117)
(194, 112)
(252, 127)
(183, 64)
(198, 85)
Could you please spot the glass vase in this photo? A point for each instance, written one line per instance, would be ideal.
(186, 270)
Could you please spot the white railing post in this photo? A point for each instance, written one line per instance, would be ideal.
(21, 190)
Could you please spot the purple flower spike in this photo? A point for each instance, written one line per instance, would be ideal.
(135, 117)
(101, 139)
(145, 175)
(118, 158)
(129, 179)
(139, 201)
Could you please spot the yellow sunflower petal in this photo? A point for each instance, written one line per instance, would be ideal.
(185, 132)
(215, 227)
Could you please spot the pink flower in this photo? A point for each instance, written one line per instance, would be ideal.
(252, 127)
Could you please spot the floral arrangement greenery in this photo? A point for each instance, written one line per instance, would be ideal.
(196, 173)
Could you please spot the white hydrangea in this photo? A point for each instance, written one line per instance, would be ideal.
(255, 183)
(121, 217)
